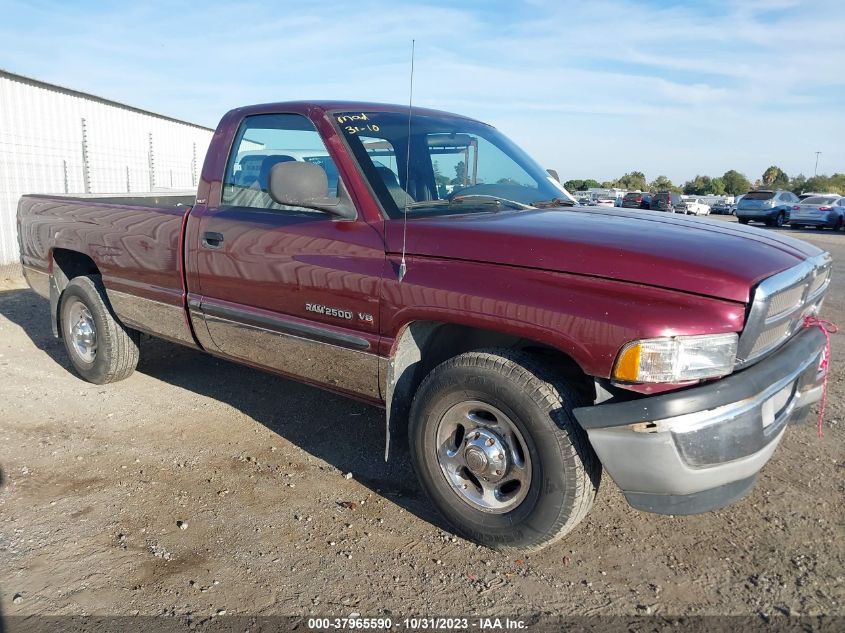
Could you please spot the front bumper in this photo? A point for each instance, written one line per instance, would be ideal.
(701, 448)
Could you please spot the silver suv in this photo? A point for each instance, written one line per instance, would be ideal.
(771, 207)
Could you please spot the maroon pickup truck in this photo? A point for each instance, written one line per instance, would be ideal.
(423, 262)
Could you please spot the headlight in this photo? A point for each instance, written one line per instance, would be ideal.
(677, 359)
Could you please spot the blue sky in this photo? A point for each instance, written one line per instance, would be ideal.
(591, 88)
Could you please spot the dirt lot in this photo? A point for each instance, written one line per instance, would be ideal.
(198, 486)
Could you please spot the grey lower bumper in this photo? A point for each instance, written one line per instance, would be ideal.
(701, 448)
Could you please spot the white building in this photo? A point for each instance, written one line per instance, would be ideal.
(57, 140)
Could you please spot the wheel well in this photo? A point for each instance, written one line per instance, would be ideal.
(425, 344)
(68, 264)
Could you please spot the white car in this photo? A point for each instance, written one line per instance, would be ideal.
(606, 202)
(696, 207)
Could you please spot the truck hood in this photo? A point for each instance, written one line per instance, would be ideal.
(700, 256)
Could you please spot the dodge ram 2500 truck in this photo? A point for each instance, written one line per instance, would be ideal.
(521, 342)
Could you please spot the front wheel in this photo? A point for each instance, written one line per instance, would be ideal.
(100, 348)
(496, 447)
(780, 219)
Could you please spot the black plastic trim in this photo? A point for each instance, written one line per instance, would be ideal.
(796, 356)
(695, 503)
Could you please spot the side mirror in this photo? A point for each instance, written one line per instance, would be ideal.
(302, 184)
(553, 174)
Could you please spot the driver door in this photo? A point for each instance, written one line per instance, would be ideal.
(292, 290)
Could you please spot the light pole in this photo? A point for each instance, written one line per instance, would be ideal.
(816, 170)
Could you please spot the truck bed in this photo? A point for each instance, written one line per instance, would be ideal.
(133, 240)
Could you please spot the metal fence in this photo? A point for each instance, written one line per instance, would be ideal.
(56, 140)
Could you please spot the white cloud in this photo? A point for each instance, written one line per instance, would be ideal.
(592, 88)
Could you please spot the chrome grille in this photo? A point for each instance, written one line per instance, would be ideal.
(786, 300)
(820, 280)
(779, 306)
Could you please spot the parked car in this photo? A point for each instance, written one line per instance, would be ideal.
(819, 211)
(722, 208)
(694, 206)
(771, 207)
(606, 202)
(521, 350)
(668, 201)
(636, 200)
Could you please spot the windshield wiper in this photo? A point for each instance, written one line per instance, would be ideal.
(485, 198)
(554, 202)
(470, 200)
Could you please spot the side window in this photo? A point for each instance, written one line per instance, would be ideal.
(262, 142)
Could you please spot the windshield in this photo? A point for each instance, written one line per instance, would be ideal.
(456, 165)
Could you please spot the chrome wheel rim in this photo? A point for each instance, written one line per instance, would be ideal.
(483, 457)
(83, 331)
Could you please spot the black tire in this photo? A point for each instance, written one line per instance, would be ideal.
(837, 226)
(565, 471)
(780, 219)
(116, 347)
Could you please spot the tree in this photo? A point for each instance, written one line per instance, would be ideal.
(440, 180)
(662, 183)
(459, 173)
(735, 183)
(704, 186)
(775, 177)
(580, 185)
(632, 181)
(798, 184)
(826, 184)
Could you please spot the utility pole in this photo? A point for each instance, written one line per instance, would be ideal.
(816, 170)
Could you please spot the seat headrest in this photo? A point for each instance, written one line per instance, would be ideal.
(266, 165)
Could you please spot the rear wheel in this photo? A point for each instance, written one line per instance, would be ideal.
(838, 224)
(496, 447)
(100, 349)
(780, 219)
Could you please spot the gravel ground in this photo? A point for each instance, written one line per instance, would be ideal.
(198, 486)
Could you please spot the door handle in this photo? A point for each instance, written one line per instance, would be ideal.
(212, 240)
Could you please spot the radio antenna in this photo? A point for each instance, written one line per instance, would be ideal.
(403, 268)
